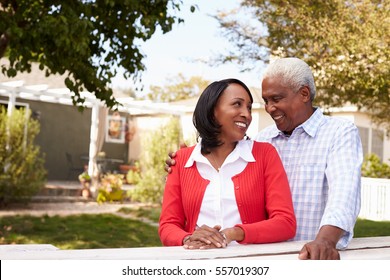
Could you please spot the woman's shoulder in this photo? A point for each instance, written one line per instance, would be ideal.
(185, 152)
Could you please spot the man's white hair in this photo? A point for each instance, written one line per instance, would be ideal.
(292, 72)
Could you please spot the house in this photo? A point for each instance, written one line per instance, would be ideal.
(69, 138)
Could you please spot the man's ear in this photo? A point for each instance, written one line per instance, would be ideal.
(305, 93)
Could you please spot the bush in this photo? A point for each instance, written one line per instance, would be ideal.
(374, 168)
(157, 145)
(22, 172)
(133, 175)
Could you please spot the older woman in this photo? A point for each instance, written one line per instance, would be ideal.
(226, 188)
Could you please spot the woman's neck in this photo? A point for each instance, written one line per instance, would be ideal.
(218, 155)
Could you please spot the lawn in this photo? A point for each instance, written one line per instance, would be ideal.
(82, 231)
(110, 231)
(367, 228)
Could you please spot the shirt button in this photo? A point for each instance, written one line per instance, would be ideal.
(236, 187)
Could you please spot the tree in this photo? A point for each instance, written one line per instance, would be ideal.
(22, 171)
(347, 44)
(86, 40)
(156, 145)
(178, 88)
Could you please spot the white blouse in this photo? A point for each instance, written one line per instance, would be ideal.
(219, 203)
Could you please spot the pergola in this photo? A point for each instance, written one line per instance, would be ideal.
(18, 89)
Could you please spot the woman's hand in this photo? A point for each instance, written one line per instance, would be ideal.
(206, 237)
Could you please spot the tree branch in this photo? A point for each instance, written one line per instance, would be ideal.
(4, 39)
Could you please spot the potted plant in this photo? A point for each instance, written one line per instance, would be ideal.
(85, 181)
(110, 188)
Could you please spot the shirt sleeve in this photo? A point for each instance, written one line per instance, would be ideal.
(343, 174)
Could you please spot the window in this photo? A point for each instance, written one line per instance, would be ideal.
(377, 143)
(372, 141)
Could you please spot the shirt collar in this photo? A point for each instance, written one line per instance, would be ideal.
(312, 125)
(242, 150)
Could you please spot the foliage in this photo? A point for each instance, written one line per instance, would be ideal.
(133, 175)
(178, 88)
(86, 40)
(22, 172)
(374, 168)
(157, 145)
(84, 177)
(85, 231)
(110, 188)
(345, 42)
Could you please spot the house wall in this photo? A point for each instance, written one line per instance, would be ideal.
(63, 129)
(362, 120)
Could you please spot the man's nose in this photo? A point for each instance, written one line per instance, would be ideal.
(269, 108)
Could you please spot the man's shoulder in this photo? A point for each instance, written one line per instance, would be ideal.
(266, 134)
(335, 122)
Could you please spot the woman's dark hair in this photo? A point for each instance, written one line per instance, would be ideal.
(203, 119)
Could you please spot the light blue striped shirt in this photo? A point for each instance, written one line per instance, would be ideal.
(322, 158)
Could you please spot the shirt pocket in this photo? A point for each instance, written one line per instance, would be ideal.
(309, 183)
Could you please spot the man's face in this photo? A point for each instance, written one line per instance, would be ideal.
(286, 107)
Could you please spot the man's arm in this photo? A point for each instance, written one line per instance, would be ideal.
(343, 205)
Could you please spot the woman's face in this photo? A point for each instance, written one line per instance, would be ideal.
(233, 112)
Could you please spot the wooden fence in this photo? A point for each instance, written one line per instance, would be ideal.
(375, 199)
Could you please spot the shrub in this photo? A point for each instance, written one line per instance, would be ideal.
(22, 172)
(374, 168)
(157, 145)
(133, 175)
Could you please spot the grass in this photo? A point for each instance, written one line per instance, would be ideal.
(367, 228)
(150, 213)
(80, 231)
(111, 231)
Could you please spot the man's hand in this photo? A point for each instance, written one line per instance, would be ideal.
(170, 161)
(324, 246)
(319, 250)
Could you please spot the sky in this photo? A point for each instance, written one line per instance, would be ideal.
(197, 38)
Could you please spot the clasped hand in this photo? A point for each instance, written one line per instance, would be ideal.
(206, 237)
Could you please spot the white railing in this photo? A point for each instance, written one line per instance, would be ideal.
(375, 199)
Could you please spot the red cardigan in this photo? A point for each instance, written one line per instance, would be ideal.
(262, 193)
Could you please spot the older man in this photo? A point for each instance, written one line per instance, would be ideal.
(322, 156)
